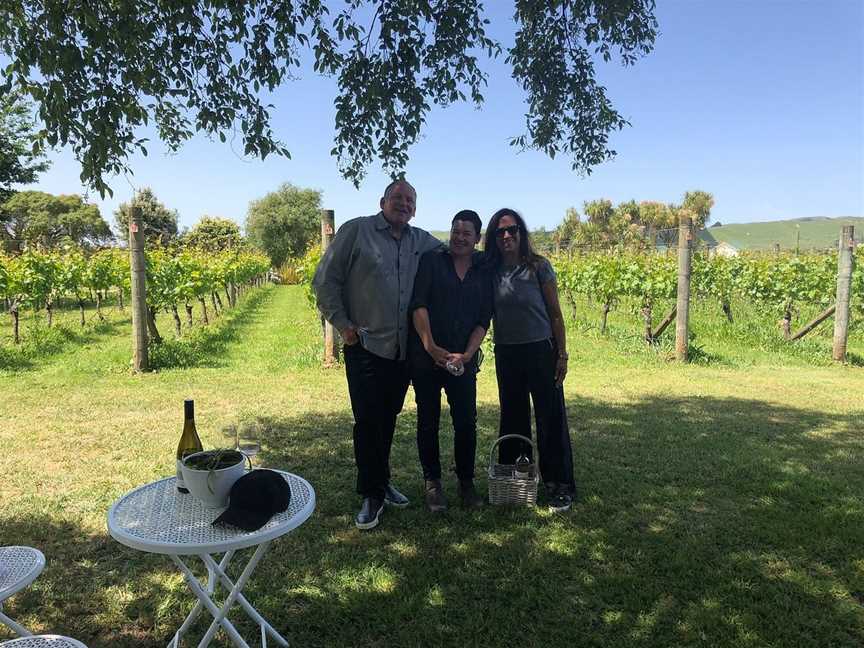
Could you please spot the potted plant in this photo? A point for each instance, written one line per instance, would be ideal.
(209, 475)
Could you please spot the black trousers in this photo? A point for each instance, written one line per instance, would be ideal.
(461, 394)
(529, 370)
(377, 387)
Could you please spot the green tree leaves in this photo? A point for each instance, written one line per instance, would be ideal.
(159, 222)
(36, 218)
(284, 222)
(568, 111)
(392, 71)
(632, 225)
(101, 71)
(20, 160)
(213, 234)
(699, 203)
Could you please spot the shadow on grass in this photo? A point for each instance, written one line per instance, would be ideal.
(41, 343)
(14, 359)
(855, 359)
(205, 346)
(720, 521)
(699, 521)
(92, 588)
(103, 593)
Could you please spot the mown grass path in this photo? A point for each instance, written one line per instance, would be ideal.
(717, 506)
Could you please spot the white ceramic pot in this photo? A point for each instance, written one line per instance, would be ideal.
(212, 486)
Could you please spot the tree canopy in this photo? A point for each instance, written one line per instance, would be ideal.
(284, 222)
(599, 212)
(100, 71)
(36, 218)
(566, 232)
(214, 234)
(699, 203)
(159, 222)
(631, 224)
(18, 163)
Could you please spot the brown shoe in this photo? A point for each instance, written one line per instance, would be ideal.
(435, 499)
(468, 494)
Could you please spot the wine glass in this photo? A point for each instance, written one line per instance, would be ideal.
(248, 438)
(231, 432)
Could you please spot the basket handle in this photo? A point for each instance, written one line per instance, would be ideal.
(509, 436)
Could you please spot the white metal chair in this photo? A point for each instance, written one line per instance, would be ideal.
(43, 641)
(19, 566)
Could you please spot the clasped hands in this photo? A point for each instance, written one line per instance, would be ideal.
(442, 356)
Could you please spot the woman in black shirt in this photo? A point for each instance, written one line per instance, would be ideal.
(451, 309)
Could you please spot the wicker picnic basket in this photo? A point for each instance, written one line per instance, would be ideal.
(504, 487)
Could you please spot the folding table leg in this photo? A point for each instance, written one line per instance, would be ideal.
(221, 617)
(218, 614)
(244, 603)
(20, 630)
(196, 611)
(211, 575)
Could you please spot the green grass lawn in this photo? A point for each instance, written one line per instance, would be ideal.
(720, 503)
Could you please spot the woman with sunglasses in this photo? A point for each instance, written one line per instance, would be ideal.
(530, 353)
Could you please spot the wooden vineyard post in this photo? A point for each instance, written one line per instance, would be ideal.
(845, 261)
(331, 349)
(682, 308)
(140, 360)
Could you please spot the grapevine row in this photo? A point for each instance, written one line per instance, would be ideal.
(781, 283)
(36, 280)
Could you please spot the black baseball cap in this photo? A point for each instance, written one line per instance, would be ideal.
(254, 499)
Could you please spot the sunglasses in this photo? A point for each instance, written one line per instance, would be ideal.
(512, 230)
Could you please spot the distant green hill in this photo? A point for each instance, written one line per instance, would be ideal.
(818, 232)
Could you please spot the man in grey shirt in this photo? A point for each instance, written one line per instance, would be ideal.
(363, 286)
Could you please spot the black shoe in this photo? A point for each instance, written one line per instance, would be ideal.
(370, 513)
(468, 495)
(435, 500)
(561, 501)
(393, 497)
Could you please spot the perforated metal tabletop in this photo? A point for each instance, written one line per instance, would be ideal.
(43, 641)
(19, 566)
(158, 519)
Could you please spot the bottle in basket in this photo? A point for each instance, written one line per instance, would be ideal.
(523, 467)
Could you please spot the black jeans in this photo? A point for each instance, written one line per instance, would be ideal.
(529, 369)
(377, 387)
(462, 397)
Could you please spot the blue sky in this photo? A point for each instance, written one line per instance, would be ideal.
(759, 102)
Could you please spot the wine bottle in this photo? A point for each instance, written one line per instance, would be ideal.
(189, 441)
(523, 467)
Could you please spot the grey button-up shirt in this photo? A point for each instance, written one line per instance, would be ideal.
(366, 278)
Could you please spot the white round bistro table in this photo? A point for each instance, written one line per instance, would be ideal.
(19, 566)
(156, 518)
(43, 641)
